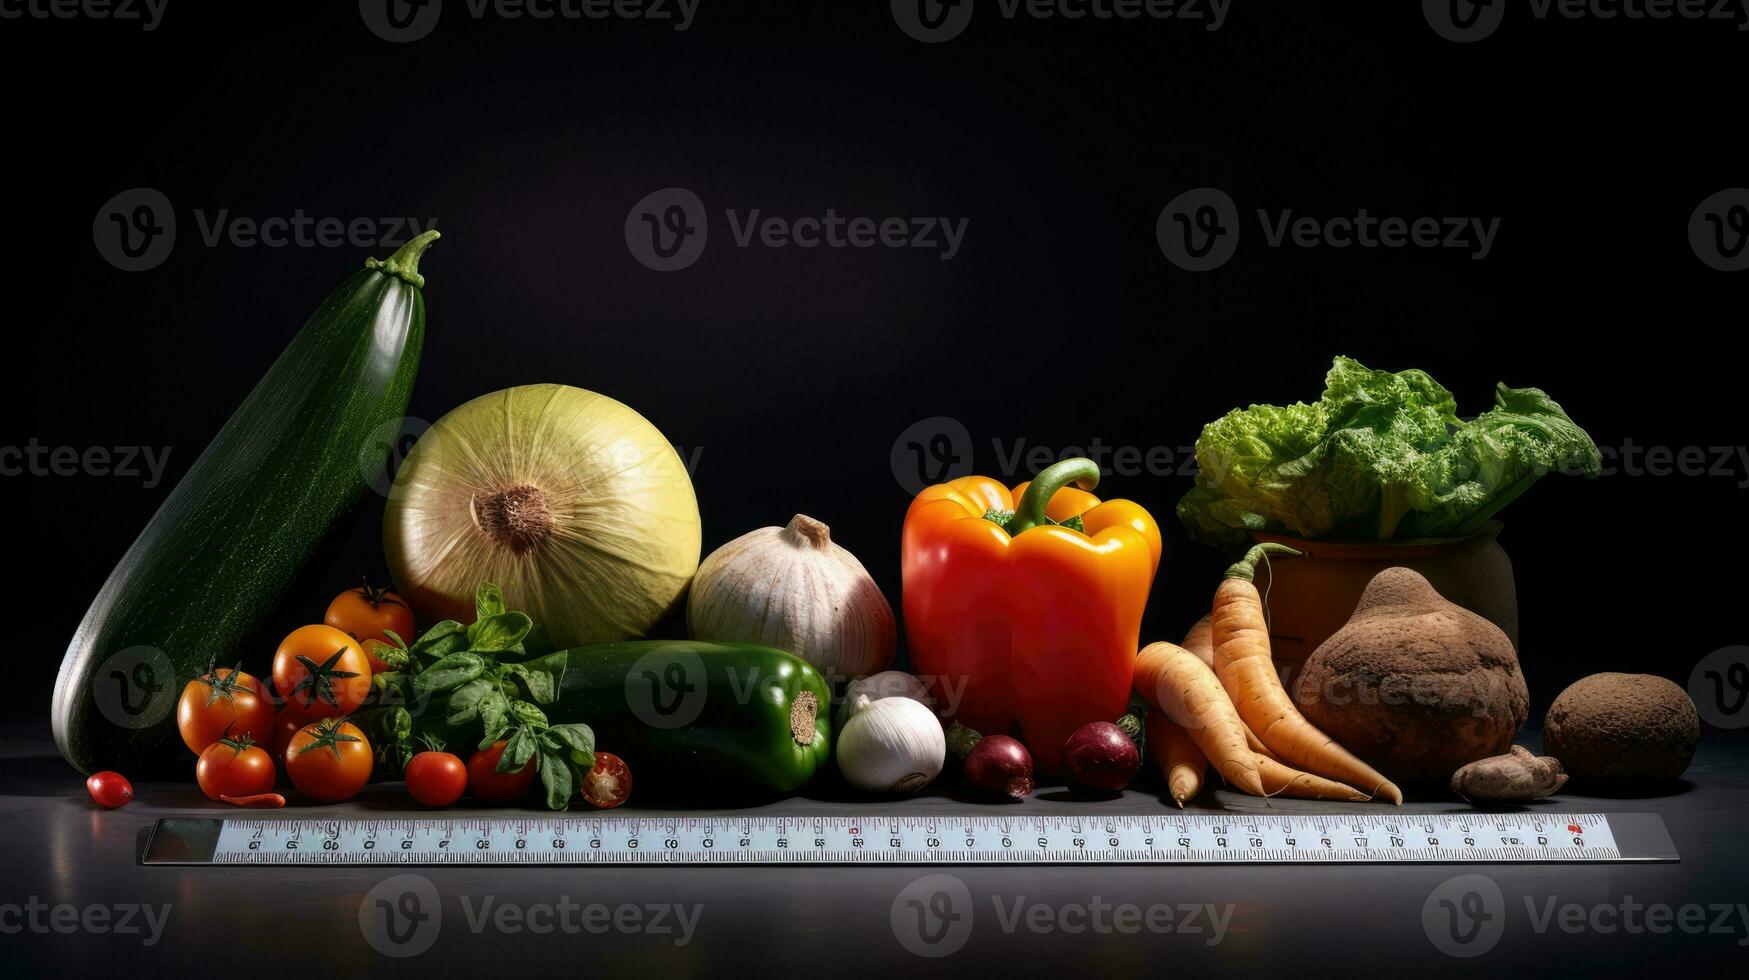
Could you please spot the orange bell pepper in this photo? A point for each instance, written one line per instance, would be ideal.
(1028, 615)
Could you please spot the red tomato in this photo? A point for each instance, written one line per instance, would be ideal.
(371, 614)
(234, 767)
(286, 724)
(436, 778)
(329, 761)
(486, 783)
(322, 671)
(609, 783)
(110, 790)
(222, 702)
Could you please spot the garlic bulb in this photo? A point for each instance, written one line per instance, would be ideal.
(894, 745)
(793, 589)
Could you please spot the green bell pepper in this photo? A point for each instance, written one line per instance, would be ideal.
(683, 712)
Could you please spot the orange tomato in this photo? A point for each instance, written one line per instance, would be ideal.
(322, 671)
(329, 761)
(367, 614)
(234, 767)
(220, 702)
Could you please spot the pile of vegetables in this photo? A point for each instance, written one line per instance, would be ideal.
(1379, 456)
(1028, 598)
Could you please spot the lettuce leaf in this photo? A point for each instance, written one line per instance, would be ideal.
(1380, 455)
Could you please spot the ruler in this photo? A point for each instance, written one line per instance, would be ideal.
(896, 839)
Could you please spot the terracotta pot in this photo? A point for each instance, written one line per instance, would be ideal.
(1312, 597)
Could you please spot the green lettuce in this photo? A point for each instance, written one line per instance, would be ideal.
(1380, 455)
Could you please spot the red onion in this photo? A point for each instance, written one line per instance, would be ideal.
(1000, 765)
(1099, 756)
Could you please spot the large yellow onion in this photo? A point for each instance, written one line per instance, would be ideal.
(569, 501)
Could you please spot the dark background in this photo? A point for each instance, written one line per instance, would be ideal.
(795, 370)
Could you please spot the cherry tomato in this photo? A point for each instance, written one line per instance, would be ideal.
(486, 783)
(110, 790)
(436, 778)
(286, 724)
(234, 767)
(609, 783)
(222, 702)
(366, 614)
(322, 671)
(329, 761)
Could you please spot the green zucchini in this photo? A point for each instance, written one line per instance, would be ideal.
(219, 554)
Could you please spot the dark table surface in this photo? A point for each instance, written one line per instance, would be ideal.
(77, 900)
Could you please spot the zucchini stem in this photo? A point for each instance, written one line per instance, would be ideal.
(404, 264)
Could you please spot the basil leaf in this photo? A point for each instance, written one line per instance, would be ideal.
(527, 715)
(500, 632)
(488, 601)
(559, 780)
(540, 677)
(520, 749)
(451, 672)
(577, 740)
(465, 701)
(436, 635)
(494, 717)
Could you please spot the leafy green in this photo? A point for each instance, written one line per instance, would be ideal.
(1380, 455)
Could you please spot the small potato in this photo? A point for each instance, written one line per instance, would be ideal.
(1515, 776)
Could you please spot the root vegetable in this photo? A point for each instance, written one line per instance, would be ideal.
(1175, 754)
(1100, 756)
(1622, 730)
(1517, 776)
(1247, 671)
(1186, 691)
(1001, 766)
(1281, 780)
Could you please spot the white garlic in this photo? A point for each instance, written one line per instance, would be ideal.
(793, 589)
(894, 745)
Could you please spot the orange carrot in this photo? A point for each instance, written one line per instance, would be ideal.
(1247, 670)
(1171, 679)
(1177, 756)
(1201, 641)
(1280, 780)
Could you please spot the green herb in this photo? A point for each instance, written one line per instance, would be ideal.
(1380, 455)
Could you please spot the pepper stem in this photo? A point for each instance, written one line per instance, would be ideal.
(404, 264)
(1246, 567)
(1030, 512)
